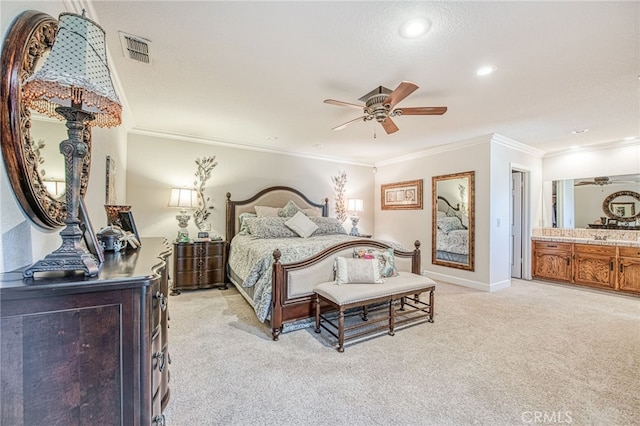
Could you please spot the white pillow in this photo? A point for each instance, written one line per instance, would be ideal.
(357, 271)
(301, 225)
(264, 211)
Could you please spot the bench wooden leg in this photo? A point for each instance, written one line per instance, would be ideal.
(341, 330)
(430, 306)
(392, 318)
(365, 313)
(317, 314)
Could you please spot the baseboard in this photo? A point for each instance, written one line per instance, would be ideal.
(477, 285)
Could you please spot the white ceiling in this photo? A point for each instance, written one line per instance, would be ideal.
(244, 72)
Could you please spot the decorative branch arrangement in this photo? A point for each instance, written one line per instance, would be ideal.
(339, 183)
(203, 173)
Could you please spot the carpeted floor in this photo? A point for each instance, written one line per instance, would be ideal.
(531, 354)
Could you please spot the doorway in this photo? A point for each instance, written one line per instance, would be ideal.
(517, 222)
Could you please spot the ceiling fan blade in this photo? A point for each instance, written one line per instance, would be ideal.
(422, 111)
(389, 126)
(403, 90)
(343, 125)
(341, 103)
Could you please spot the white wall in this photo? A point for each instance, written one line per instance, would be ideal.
(158, 163)
(491, 158)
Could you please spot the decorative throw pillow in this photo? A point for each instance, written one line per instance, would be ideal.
(357, 271)
(264, 211)
(449, 224)
(385, 259)
(289, 210)
(328, 226)
(244, 222)
(301, 225)
(269, 227)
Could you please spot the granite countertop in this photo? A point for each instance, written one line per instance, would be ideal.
(567, 239)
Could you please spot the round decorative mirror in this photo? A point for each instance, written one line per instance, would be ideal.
(28, 41)
(623, 206)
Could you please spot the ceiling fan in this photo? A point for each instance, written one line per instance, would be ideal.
(602, 181)
(379, 105)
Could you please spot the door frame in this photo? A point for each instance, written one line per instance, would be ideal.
(526, 218)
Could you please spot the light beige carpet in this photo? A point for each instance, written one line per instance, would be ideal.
(531, 354)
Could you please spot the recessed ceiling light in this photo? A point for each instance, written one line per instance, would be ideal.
(414, 28)
(630, 138)
(271, 138)
(486, 70)
(318, 145)
(574, 147)
(579, 131)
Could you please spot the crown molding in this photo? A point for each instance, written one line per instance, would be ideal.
(239, 145)
(594, 148)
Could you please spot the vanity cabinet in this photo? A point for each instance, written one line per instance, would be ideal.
(628, 269)
(594, 265)
(87, 351)
(552, 260)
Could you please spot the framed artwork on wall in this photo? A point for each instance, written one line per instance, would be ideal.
(402, 195)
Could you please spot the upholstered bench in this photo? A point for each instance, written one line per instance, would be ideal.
(404, 290)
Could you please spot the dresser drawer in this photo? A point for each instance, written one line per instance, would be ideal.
(629, 251)
(200, 278)
(199, 250)
(198, 264)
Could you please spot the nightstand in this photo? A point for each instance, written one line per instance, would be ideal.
(198, 265)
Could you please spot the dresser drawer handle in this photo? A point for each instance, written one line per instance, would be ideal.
(201, 251)
(200, 263)
(163, 301)
(161, 362)
(159, 420)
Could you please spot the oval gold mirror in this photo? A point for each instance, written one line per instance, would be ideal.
(28, 41)
(453, 229)
(623, 206)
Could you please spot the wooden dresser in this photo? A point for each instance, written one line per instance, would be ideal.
(198, 265)
(594, 265)
(87, 351)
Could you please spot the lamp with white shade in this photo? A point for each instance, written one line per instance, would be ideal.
(74, 84)
(355, 205)
(185, 199)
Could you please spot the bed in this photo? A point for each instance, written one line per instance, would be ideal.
(452, 236)
(276, 271)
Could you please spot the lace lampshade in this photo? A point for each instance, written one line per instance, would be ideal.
(76, 73)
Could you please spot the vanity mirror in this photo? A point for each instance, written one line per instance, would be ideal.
(28, 41)
(580, 203)
(453, 220)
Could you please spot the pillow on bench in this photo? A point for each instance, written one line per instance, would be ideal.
(357, 271)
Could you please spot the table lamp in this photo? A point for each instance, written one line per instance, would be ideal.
(184, 199)
(355, 205)
(74, 84)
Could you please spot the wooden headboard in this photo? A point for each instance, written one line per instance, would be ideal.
(275, 196)
(445, 206)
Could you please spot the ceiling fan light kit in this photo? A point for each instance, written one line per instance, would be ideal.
(379, 105)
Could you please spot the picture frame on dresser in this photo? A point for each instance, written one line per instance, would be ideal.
(128, 224)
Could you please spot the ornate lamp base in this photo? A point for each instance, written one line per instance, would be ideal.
(354, 226)
(71, 256)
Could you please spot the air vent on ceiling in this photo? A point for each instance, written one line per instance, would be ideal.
(135, 48)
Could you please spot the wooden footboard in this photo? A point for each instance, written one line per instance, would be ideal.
(293, 283)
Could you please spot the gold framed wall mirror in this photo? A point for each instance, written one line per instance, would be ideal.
(33, 170)
(453, 227)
